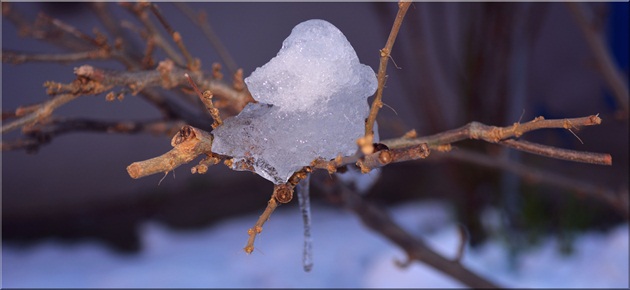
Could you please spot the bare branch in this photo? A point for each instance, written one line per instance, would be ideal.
(282, 193)
(416, 249)
(493, 134)
(167, 76)
(202, 21)
(463, 241)
(257, 228)
(40, 135)
(139, 10)
(39, 112)
(206, 99)
(387, 156)
(403, 6)
(189, 143)
(19, 57)
(615, 199)
(559, 153)
(191, 63)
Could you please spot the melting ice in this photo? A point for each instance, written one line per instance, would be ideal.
(312, 104)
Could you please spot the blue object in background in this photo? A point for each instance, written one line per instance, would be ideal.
(617, 37)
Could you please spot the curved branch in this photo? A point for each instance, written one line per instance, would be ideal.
(378, 220)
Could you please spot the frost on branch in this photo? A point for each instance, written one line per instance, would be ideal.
(312, 104)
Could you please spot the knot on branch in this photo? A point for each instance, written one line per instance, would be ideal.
(188, 143)
(386, 156)
(168, 79)
(185, 133)
(283, 193)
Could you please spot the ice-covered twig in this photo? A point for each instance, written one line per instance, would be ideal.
(377, 103)
(304, 200)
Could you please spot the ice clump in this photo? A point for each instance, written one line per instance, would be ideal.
(312, 104)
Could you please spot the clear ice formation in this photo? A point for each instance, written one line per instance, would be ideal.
(312, 103)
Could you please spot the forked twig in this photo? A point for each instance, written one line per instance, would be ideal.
(191, 63)
(202, 21)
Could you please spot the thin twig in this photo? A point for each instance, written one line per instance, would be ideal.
(257, 228)
(43, 111)
(20, 57)
(282, 193)
(403, 6)
(202, 21)
(168, 77)
(463, 241)
(191, 63)
(206, 99)
(140, 12)
(40, 135)
(493, 134)
(559, 153)
(617, 200)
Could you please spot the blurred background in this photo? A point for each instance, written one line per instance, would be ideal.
(453, 63)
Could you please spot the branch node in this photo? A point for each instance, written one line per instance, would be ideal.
(283, 193)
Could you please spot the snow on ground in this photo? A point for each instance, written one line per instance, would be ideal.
(346, 254)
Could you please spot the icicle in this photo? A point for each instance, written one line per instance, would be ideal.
(305, 207)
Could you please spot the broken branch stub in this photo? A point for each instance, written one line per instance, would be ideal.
(187, 144)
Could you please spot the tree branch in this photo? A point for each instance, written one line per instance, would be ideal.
(416, 249)
(615, 199)
(38, 135)
(493, 134)
(19, 57)
(139, 10)
(403, 6)
(189, 143)
(202, 21)
(559, 153)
